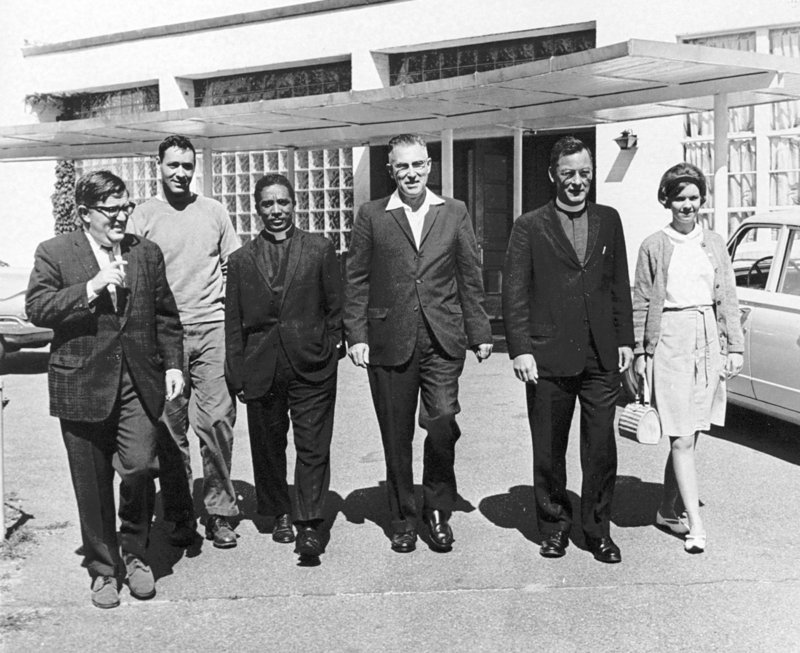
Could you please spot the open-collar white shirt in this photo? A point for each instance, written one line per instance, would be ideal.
(415, 218)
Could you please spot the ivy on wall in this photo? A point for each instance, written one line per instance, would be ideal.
(63, 198)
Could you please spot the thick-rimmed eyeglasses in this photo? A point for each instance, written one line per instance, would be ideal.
(402, 169)
(114, 211)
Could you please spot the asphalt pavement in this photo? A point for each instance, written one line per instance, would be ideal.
(493, 592)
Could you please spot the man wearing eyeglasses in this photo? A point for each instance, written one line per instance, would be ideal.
(197, 237)
(115, 358)
(413, 306)
(569, 327)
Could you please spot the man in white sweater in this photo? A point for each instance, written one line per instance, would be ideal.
(196, 236)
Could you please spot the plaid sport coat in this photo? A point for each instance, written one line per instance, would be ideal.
(91, 341)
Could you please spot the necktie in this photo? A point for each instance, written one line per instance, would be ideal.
(112, 289)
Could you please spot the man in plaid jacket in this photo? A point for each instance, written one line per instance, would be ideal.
(116, 355)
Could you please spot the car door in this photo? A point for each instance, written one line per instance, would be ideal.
(775, 330)
(752, 249)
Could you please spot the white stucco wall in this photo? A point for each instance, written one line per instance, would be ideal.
(25, 188)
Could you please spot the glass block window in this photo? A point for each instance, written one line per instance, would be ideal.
(273, 84)
(140, 173)
(324, 192)
(109, 103)
(784, 142)
(234, 177)
(440, 63)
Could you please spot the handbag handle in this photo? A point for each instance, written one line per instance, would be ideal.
(647, 380)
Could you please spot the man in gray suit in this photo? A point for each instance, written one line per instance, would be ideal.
(413, 305)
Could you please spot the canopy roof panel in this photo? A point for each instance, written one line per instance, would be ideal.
(621, 82)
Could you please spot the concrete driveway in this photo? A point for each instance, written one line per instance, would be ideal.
(492, 593)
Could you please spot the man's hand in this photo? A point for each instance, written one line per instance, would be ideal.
(483, 351)
(525, 368)
(359, 354)
(114, 275)
(625, 358)
(174, 383)
(733, 365)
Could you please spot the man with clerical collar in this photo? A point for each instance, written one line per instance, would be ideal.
(414, 305)
(568, 321)
(283, 337)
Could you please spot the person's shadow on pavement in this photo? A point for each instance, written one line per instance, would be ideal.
(371, 504)
(635, 503)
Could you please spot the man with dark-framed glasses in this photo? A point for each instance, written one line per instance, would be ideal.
(115, 357)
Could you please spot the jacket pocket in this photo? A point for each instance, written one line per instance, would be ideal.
(68, 361)
(377, 313)
(540, 329)
(454, 308)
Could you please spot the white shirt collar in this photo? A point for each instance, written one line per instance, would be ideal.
(431, 199)
(99, 253)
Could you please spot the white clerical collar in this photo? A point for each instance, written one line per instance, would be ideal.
(570, 209)
(395, 202)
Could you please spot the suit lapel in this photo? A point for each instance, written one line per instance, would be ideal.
(594, 229)
(85, 254)
(399, 216)
(560, 236)
(131, 274)
(295, 249)
(430, 218)
(254, 252)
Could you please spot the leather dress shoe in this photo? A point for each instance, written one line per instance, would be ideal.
(184, 533)
(554, 545)
(220, 531)
(604, 549)
(309, 543)
(441, 534)
(282, 531)
(404, 542)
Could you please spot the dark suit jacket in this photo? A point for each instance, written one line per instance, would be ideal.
(389, 281)
(306, 321)
(89, 341)
(547, 291)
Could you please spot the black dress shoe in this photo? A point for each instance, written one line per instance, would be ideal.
(282, 531)
(184, 533)
(309, 543)
(441, 534)
(404, 542)
(219, 529)
(604, 549)
(554, 545)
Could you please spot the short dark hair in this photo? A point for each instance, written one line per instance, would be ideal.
(175, 140)
(272, 179)
(678, 177)
(564, 147)
(96, 187)
(406, 139)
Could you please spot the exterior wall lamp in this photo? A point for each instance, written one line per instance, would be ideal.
(627, 140)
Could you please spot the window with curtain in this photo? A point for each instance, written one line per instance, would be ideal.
(784, 141)
(699, 142)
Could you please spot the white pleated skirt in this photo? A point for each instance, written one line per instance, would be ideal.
(688, 372)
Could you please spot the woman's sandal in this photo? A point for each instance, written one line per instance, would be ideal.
(695, 542)
(678, 525)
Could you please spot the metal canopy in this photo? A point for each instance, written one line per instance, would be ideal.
(621, 82)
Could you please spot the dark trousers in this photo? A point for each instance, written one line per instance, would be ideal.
(395, 389)
(311, 407)
(551, 404)
(125, 442)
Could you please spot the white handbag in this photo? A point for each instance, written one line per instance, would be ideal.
(639, 421)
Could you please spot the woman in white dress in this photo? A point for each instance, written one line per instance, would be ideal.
(688, 338)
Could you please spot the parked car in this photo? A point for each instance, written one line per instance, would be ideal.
(16, 332)
(765, 251)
